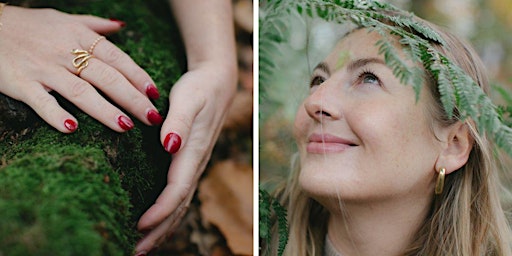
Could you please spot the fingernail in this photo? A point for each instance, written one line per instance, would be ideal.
(141, 254)
(154, 117)
(125, 123)
(152, 92)
(70, 125)
(172, 142)
(120, 22)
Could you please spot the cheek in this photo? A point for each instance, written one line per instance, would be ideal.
(393, 134)
(300, 124)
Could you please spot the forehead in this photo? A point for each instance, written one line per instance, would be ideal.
(358, 44)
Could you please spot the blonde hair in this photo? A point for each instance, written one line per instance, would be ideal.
(466, 219)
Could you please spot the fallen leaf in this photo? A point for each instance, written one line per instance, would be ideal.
(226, 196)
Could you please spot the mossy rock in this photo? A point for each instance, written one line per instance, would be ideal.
(82, 193)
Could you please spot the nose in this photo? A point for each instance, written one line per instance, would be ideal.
(324, 103)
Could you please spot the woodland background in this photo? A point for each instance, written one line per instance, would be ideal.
(487, 24)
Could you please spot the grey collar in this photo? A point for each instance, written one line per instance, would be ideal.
(329, 249)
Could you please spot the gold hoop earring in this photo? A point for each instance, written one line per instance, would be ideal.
(440, 181)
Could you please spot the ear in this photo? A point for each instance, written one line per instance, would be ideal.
(457, 145)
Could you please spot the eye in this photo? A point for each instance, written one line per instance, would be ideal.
(368, 77)
(316, 80)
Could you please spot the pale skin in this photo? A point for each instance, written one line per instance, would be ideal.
(368, 152)
(36, 58)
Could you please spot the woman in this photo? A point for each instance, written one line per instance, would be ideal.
(381, 173)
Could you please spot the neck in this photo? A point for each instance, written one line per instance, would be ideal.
(379, 228)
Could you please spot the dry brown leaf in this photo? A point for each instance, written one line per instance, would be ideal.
(226, 196)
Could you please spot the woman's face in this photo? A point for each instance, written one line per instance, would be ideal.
(361, 134)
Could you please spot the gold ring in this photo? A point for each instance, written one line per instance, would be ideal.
(95, 43)
(81, 60)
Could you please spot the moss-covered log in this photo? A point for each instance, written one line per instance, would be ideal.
(81, 194)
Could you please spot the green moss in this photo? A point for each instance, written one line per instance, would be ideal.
(65, 202)
(82, 193)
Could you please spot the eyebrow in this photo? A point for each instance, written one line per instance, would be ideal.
(323, 67)
(353, 65)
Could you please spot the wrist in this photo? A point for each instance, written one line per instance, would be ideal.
(225, 67)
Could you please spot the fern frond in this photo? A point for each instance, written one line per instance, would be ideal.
(504, 93)
(392, 58)
(265, 215)
(432, 62)
(272, 28)
(282, 226)
(267, 207)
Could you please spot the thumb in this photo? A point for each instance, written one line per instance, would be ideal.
(100, 25)
(176, 127)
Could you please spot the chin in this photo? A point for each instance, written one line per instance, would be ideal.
(329, 190)
(323, 185)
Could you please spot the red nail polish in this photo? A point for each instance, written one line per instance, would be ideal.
(120, 22)
(152, 92)
(125, 123)
(70, 125)
(172, 142)
(154, 117)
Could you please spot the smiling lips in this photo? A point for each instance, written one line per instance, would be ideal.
(327, 143)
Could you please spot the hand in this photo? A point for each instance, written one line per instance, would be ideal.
(35, 58)
(198, 104)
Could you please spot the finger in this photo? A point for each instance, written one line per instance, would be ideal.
(99, 25)
(85, 97)
(182, 182)
(162, 231)
(47, 107)
(113, 56)
(178, 123)
(120, 90)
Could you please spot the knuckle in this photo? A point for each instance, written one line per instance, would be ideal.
(136, 99)
(185, 121)
(113, 55)
(78, 89)
(43, 101)
(185, 190)
(108, 77)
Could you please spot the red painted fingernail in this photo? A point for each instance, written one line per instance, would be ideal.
(172, 142)
(154, 117)
(70, 125)
(152, 92)
(125, 123)
(120, 22)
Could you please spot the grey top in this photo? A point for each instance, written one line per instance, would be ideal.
(329, 249)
